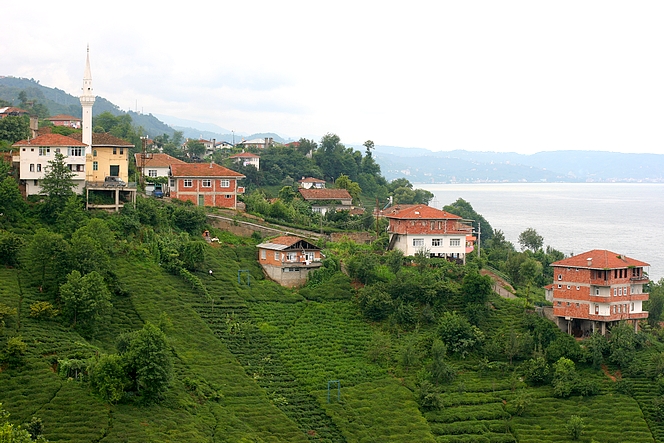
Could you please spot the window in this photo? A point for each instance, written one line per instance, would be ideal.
(206, 183)
(38, 167)
(569, 287)
(94, 153)
(596, 309)
(32, 167)
(95, 166)
(309, 256)
(229, 196)
(291, 256)
(172, 182)
(187, 183)
(560, 276)
(455, 242)
(44, 151)
(436, 242)
(620, 292)
(225, 183)
(558, 303)
(578, 287)
(75, 152)
(632, 306)
(152, 172)
(596, 291)
(567, 303)
(263, 254)
(276, 255)
(577, 305)
(115, 151)
(418, 242)
(615, 291)
(121, 151)
(624, 290)
(560, 286)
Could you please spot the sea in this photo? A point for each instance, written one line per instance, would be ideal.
(626, 218)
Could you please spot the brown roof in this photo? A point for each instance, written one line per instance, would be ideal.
(202, 170)
(104, 139)
(157, 160)
(63, 117)
(418, 212)
(311, 180)
(9, 110)
(600, 259)
(49, 140)
(244, 154)
(325, 194)
(285, 242)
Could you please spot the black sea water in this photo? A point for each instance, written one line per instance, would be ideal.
(626, 218)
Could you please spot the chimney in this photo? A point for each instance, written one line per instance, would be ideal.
(211, 163)
(590, 261)
(267, 141)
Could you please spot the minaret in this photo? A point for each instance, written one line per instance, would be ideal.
(87, 100)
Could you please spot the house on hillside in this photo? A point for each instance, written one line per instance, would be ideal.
(154, 165)
(324, 200)
(34, 155)
(289, 259)
(311, 182)
(205, 184)
(258, 143)
(421, 228)
(247, 158)
(597, 289)
(65, 120)
(12, 111)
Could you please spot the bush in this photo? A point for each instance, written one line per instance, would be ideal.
(108, 378)
(536, 371)
(574, 427)
(458, 334)
(14, 351)
(43, 310)
(375, 303)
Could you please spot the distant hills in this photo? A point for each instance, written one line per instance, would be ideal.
(424, 166)
(416, 164)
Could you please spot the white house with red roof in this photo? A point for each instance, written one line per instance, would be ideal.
(323, 200)
(311, 182)
(205, 184)
(289, 259)
(154, 165)
(596, 289)
(247, 158)
(420, 228)
(37, 152)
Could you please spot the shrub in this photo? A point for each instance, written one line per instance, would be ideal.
(15, 351)
(375, 303)
(108, 378)
(429, 398)
(574, 427)
(43, 310)
(458, 334)
(536, 371)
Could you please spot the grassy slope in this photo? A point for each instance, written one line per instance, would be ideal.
(271, 354)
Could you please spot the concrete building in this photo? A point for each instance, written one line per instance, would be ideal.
(421, 228)
(247, 158)
(65, 120)
(597, 289)
(323, 200)
(154, 165)
(288, 259)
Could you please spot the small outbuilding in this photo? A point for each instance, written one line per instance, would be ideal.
(289, 259)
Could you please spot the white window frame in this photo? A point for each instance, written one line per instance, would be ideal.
(152, 172)
(455, 242)
(224, 183)
(263, 254)
(206, 183)
(95, 166)
(418, 242)
(75, 152)
(436, 242)
(38, 167)
(187, 183)
(32, 167)
(43, 152)
(291, 257)
(276, 255)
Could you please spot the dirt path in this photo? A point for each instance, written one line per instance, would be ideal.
(500, 285)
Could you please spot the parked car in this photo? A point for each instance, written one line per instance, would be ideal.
(113, 182)
(158, 193)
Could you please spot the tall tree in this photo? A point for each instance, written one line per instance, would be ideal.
(57, 186)
(14, 128)
(85, 299)
(530, 239)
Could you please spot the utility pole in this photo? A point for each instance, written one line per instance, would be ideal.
(144, 142)
(479, 238)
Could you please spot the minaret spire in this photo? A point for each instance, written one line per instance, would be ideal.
(87, 100)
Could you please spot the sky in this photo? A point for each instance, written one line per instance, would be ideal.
(506, 76)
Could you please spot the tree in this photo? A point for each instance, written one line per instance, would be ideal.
(108, 378)
(458, 334)
(85, 299)
(530, 239)
(46, 256)
(148, 361)
(12, 205)
(441, 371)
(10, 246)
(343, 182)
(11, 433)
(574, 427)
(57, 186)
(14, 128)
(656, 303)
(195, 148)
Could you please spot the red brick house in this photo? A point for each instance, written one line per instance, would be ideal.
(421, 228)
(596, 289)
(289, 259)
(205, 184)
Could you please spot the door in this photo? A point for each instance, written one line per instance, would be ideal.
(115, 170)
(201, 200)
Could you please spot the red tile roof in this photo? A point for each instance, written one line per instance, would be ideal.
(418, 212)
(325, 194)
(202, 170)
(157, 160)
(286, 240)
(244, 154)
(600, 259)
(311, 180)
(49, 140)
(63, 117)
(11, 110)
(104, 139)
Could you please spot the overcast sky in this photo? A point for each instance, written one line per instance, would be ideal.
(522, 76)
